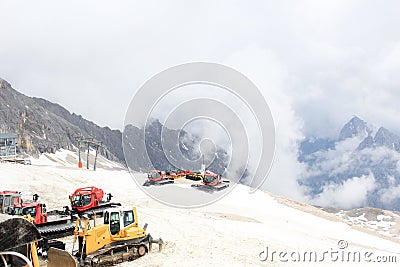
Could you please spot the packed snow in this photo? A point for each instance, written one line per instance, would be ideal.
(234, 231)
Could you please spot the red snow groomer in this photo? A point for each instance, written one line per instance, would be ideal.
(211, 182)
(89, 200)
(9, 199)
(156, 177)
(51, 224)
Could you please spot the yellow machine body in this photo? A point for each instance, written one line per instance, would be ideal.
(119, 225)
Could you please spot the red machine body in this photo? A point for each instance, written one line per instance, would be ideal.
(211, 179)
(86, 198)
(211, 182)
(89, 200)
(36, 210)
(51, 224)
(8, 200)
(156, 175)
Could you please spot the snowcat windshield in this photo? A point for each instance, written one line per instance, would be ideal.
(18, 211)
(153, 175)
(209, 179)
(29, 211)
(80, 200)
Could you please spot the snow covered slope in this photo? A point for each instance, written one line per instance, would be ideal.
(384, 222)
(68, 158)
(236, 231)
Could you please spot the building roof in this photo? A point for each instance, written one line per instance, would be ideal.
(8, 135)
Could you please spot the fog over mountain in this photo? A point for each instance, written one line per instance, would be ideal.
(361, 167)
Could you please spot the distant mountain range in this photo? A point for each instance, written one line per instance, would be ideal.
(44, 126)
(162, 158)
(361, 167)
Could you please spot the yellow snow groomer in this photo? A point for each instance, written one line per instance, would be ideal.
(119, 239)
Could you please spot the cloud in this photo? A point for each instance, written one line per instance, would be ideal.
(266, 70)
(335, 160)
(337, 173)
(97, 53)
(389, 195)
(349, 194)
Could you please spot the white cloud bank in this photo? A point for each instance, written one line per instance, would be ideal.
(266, 70)
(349, 194)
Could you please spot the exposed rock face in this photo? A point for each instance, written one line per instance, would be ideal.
(162, 158)
(44, 126)
(355, 127)
(357, 156)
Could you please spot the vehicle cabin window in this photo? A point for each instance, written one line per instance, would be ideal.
(7, 201)
(18, 211)
(114, 223)
(85, 200)
(76, 201)
(209, 178)
(106, 217)
(1, 202)
(30, 211)
(128, 218)
(43, 208)
(153, 175)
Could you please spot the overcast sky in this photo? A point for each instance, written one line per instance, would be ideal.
(333, 59)
(316, 62)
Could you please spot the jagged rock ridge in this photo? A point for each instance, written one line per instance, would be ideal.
(44, 126)
(357, 156)
(153, 152)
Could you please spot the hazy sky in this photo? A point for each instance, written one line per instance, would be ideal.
(333, 59)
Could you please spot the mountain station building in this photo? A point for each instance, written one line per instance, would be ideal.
(8, 145)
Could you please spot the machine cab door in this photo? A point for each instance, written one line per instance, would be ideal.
(114, 222)
(106, 217)
(7, 204)
(1, 203)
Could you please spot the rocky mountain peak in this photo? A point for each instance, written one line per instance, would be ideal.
(155, 126)
(43, 126)
(346, 164)
(386, 138)
(355, 127)
(368, 142)
(4, 84)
